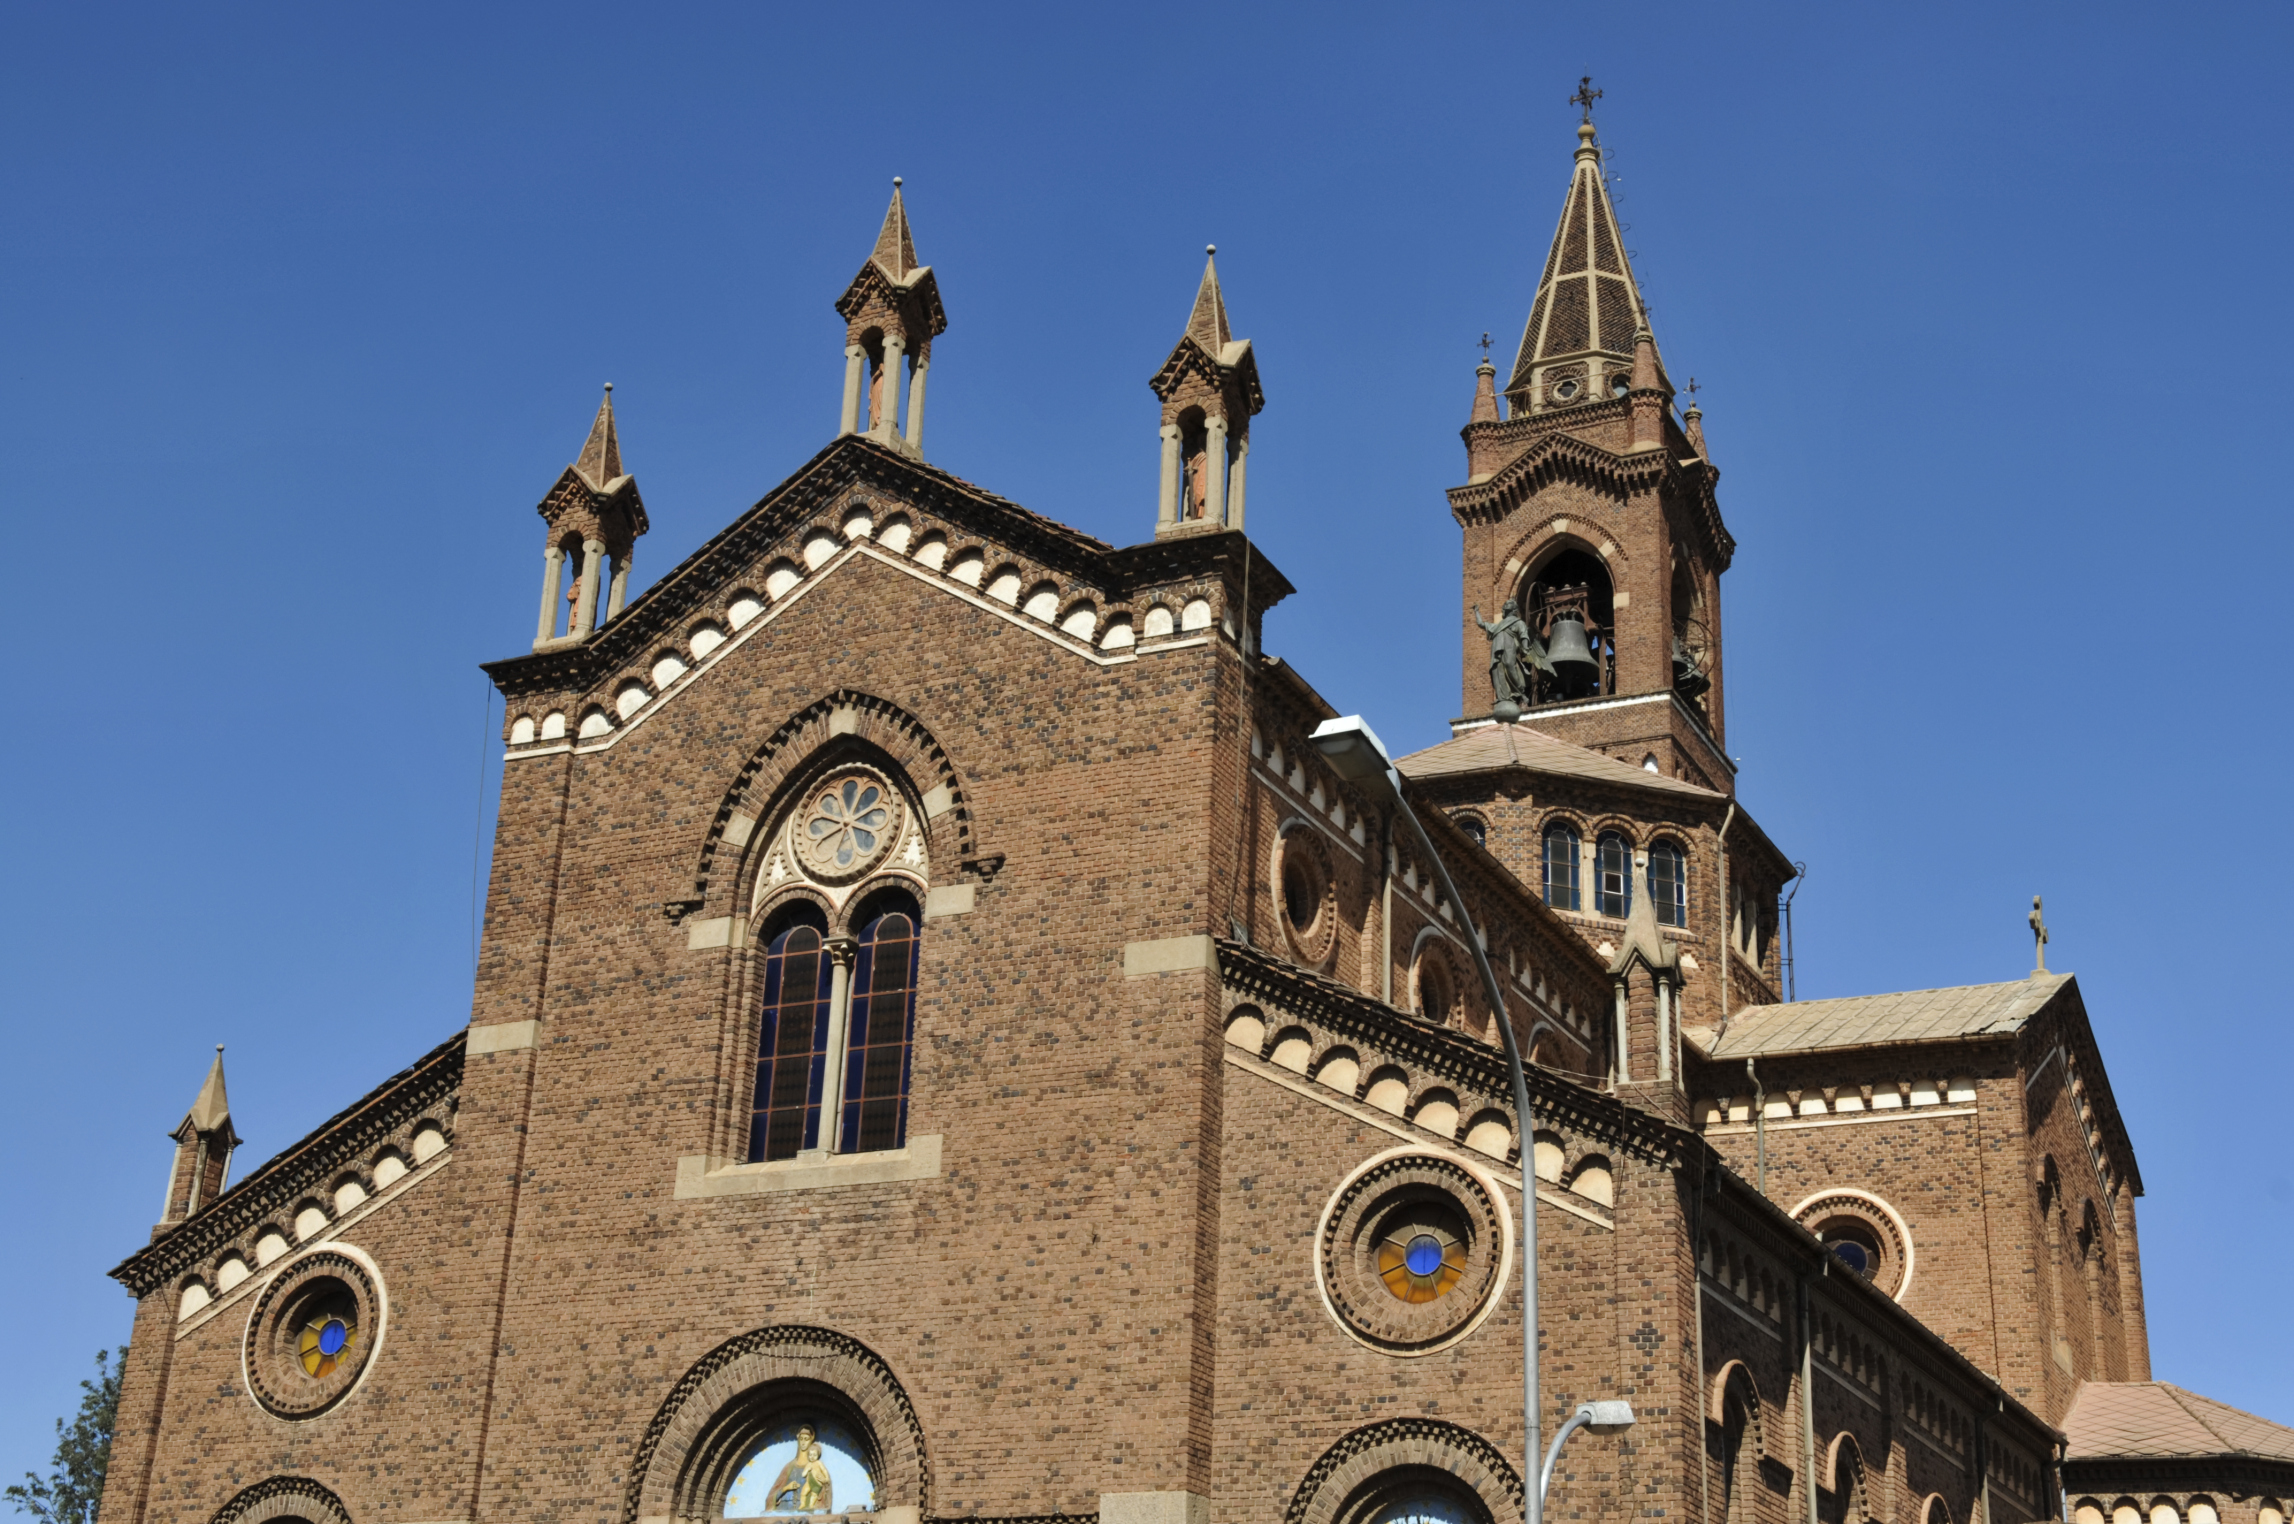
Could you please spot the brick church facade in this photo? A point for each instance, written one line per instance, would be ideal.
(947, 1046)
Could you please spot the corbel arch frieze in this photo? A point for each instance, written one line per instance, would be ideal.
(870, 727)
(715, 1413)
(1844, 1471)
(1735, 1380)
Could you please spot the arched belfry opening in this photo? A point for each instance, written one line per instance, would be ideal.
(1692, 631)
(1570, 604)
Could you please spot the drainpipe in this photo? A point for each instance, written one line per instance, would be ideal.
(1808, 1399)
(1759, 1127)
(1386, 921)
(1722, 896)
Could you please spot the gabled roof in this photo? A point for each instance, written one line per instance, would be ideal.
(2111, 1420)
(1496, 748)
(891, 271)
(1865, 1021)
(213, 1107)
(1210, 343)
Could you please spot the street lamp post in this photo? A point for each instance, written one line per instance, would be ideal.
(1357, 756)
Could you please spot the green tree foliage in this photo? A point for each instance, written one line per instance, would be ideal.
(74, 1490)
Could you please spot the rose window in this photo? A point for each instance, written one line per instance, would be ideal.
(327, 1336)
(846, 826)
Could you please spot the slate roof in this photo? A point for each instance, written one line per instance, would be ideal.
(1491, 748)
(2112, 1420)
(1865, 1021)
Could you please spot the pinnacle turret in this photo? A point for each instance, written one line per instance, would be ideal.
(204, 1141)
(891, 311)
(1209, 389)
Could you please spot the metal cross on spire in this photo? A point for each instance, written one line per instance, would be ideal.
(1586, 95)
(1485, 348)
(2038, 937)
(1693, 390)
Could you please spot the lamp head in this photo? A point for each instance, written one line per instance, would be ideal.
(1606, 1417)
(1354, 753)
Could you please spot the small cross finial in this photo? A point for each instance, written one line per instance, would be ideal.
(1485, 346)
(1586, 95)
(1694, 389)
(2038, 936)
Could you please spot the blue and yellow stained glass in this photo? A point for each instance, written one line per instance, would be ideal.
(1420, 1261)
(325, 1342)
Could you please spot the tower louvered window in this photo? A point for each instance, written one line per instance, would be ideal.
(792, 1041)
(1561, 870)
(882, 1026)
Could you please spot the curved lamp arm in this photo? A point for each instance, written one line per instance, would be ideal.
(1600, 1417)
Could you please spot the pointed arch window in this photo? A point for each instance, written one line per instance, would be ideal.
(881, 1029)
(1562, 846)
(1669, 884)
(792, 1039)
(1614, 865)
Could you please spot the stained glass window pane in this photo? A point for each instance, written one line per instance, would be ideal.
(792, 1045)
(879, 1044)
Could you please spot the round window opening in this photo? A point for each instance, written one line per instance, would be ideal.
(1566, 391)
(1302, 872)
(1422, 1253)
(326, 1326)
(846, 825)
(1853, 1243)
(312, 1332)
(812, 1464)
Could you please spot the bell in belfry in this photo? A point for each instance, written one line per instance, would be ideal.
(1572, 658)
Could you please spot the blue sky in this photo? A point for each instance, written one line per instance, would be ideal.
(304, 308)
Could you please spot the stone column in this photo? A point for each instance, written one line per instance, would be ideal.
(1664, 1029)
(620, 590)
(585, 607)
(855, 376)
(1167, 496)
(1215, 466)
(552, 559)
(1235, 483)
(841, 952)
(916, 404)
(1622, 1066)
(888, 421)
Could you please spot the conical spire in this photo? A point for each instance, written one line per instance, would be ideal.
(213, 1108)
(1207, 324)
(600, 460)
(1578, 345)
(1485, 392)
(895, 248)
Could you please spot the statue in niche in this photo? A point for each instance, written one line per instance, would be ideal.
(1515, 651)
(803, 1485)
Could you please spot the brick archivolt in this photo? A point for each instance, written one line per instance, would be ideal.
(842, 726)
(284, 1497)
(1349, 1478)
(718, 1410)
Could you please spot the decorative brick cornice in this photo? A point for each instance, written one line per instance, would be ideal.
(1557, 456)
(854, 462)
(300, 1170)
(1464, 1061)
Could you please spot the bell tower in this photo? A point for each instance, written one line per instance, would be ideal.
(1591, 508)
(1209, 389)
(891, 309)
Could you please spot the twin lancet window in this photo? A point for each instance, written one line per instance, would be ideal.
(837, 1015)
(1613, 876)
(833, 1047)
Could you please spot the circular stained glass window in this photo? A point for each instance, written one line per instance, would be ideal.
(329, 1332)
(1420, 1256)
